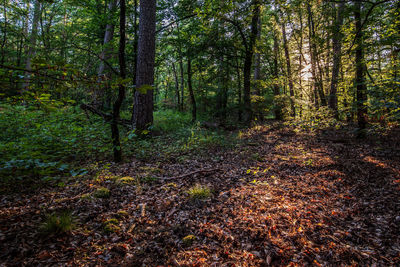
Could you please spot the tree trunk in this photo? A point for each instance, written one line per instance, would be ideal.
(318, 86)
(32, 44)
(277, 109)
(248, 113)
(239, 90)
(360, 70)
(257, 63)
(288, 70)
(143, 106)
(104, 56)
(337, 54)
(192, 98)
(121, 87)
(182, 82)
(177, 95)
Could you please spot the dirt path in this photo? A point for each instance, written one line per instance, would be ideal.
(282, 198)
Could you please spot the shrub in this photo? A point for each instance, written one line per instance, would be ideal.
(199, 192)
(55, 224)
(102, 192)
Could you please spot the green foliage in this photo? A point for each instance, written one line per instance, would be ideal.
(199, 192)
(111, 226)
(56, 224)
(39, 144)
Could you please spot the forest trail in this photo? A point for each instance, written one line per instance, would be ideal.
(281, 198)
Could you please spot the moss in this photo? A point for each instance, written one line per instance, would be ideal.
(126, 180)
(102, 192)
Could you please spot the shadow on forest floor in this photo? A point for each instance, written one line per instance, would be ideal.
(280, 197)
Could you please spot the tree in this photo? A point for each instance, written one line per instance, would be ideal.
(337, 53)
(143, 105)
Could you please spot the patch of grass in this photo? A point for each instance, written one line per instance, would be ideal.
(199, 192)
(148, 179)
(102, 192)
(56, 224)
(126, 180)
(111, 226)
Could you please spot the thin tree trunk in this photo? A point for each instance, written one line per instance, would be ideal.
(337, 54)
(177, 95)
(360, 70)
(288, 70)
(32, 44)
(121, 87)
(182, 82)
(318, 87)
(257, 63)
(192, 98)
(239, 90)
(143, 106)
(278, 109)
(98, 94)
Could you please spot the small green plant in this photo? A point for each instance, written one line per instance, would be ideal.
(86, 196)
(126, 180)
(102, 192)
(148, 179)
(199, 192)
(111, 226)
(188, 240)
(56, 224)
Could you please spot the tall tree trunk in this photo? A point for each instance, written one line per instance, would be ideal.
(121, 87)
(278, 108)
(360, 70)
(32, 44)
(248, 113)
(98, 96)
(337, 55)
(143, 106)
(288, 70)
(182, 82)
(192, 98)
(239, 90)
(257, 63)
(318, 86)
(177, 95)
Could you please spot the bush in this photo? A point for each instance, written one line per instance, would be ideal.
(56, 224)
(199, 192)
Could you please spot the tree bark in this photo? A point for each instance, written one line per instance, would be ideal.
(143, 106)
(32, 44)
(318, 86)
(121, 87)
(177, 95)
(288, 70)
(278, 108)
(248, 113)
(337, 54)
(360, 70)
(192, 98)
(105, 55)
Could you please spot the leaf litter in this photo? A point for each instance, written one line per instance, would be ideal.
(281, 198)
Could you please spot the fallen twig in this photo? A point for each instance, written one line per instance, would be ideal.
(191, 173)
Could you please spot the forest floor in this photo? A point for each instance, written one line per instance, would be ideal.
(280, 197)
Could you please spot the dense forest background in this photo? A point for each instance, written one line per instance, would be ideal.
(230, 62)
(199, 132)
